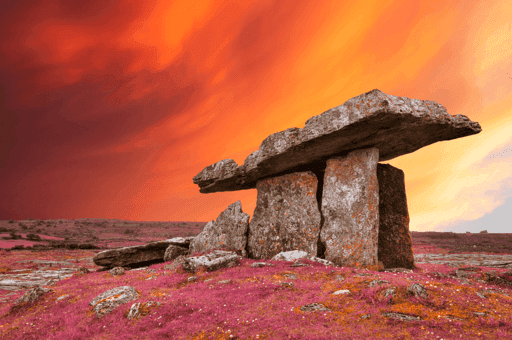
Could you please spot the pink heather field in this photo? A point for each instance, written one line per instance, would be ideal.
(253, 304)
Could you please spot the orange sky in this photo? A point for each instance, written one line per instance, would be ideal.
(109, 111)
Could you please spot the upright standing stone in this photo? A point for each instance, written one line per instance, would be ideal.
(350, 207)
(228, 232)
(395, 244)
(286, 217)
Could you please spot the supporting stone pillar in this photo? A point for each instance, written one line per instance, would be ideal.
(395, 244)
(286, 217)
(350, 208)
(228, 232)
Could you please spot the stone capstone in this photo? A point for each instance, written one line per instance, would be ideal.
(228, 232)
(394, 125)
(395, 244)
(286, 217)
(350, 208)
(127, 256)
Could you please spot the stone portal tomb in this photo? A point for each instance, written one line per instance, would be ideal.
(322, 190)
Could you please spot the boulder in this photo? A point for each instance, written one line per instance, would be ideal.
(350, 202)
(395, 243)
(32, 295)
(142, 255)
(286, 217)
(228, 232)
(173, 252)
(138, 310)
(394, 125)
(107, 301)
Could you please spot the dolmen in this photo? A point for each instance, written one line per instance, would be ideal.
(321, 192)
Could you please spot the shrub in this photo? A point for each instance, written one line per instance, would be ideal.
(24, 227)
(33, 237)
(129, 231)
(87, 246)
(4, 229)
(11, 221)
(443, 235)
(14, 236)
(17, 247)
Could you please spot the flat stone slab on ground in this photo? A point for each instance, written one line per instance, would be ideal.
(482, 260)
(42, 277)
(125, 256)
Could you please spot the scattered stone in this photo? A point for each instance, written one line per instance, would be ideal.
(350, 203)
(398, 270)
(394, 125)
(228, 232)
(62, 297)
(105, 303)
(117, 271)
(82, 271)
(32, 295)
(395, 244)
(139, 310)
(286, 217)
(483, 232)
(376, 282)
(401, 316)
(418, 290)
(391, 291)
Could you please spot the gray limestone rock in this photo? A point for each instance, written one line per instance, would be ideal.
(138, 310)
(215, 260)
(286, 217)
(395, 244)
(126, 256)
(350, 208)
(173, 252)
(228, 232)
(105, 303)
(32, 295)
(395, 125)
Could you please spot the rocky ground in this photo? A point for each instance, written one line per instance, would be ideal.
(20, 280)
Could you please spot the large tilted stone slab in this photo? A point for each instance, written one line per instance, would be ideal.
(395, 125)
(350, 207)
(395, 244)
(128, 256)
(228, 232)
(286, 217)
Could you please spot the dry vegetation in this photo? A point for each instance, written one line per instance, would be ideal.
(254, 304)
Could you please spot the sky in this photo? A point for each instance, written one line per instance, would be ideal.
(109, 109)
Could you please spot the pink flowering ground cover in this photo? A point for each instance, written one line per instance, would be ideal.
(255, 304)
